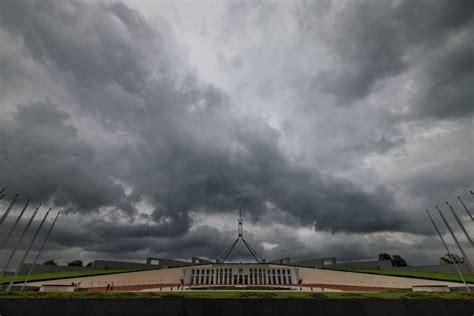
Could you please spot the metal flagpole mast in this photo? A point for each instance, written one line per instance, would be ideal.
(14, 225)
(25, 255)
(240, 229)
(449, 252)
(39, 252)
(460, 223)
(9, 209)
(19, 240)
(240, 232)
(464, 205)
(455, 239)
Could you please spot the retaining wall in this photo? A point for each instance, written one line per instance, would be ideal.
(234, 307)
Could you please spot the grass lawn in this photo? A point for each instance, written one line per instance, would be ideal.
(58, 275)
(452, 277)
(239, 295)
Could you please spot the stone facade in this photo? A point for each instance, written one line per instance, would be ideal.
(240, 274)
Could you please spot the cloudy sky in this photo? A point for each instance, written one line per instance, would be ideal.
(332, 124)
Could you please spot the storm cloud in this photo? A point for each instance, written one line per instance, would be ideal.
(316, 118)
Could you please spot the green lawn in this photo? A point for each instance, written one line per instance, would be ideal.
(452, 277)
(58, 275)
(240, 294)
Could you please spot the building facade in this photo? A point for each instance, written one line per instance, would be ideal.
(240, 274)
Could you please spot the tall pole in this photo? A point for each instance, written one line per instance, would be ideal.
(19, 240)
(39, 252)
(455, 239)
(451, 208)
(464, 205)
(14, 225)
(240, 229)
(25, 255)
(449, 252)
(2, 195)
(9, 209)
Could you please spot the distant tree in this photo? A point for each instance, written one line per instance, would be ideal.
(451, 258)
(385, 256)
(398, 261)
(50, 263)
(75, 263)
(89, 265)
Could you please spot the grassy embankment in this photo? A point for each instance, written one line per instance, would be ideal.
(239, 295)
(451, 277)
(59, 275)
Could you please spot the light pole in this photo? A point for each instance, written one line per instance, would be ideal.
(9, 208)
(20, 240)
(460, 223)
(455, 239)
(25, 255)
(449, 252)
(39, 252)
(464, 205)
(14, 225)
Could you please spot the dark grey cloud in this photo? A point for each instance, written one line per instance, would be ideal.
(373, 40)
(60, 34)
(449, 79)
(43, 158)
(184, 158)
(133, 144)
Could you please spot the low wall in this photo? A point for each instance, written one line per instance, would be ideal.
(121, 265)
(363, 265)
(315, 263)
(438, 268)
(96, 265)
(234, 307)
(42, 268)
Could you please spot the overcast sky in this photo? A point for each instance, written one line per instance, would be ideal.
(332, 124)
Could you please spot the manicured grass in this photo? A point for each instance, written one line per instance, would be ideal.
(239, 295)
(58, 275)
(452, 277)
